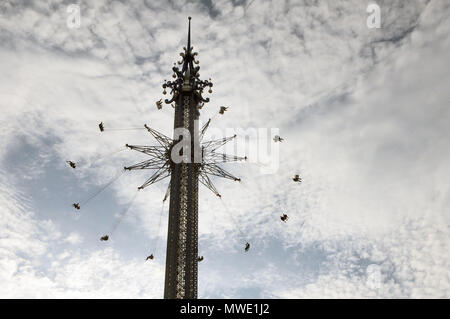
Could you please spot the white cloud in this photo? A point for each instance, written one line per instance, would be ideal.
(74, 238)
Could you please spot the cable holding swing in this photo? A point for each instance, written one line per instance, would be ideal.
(102, 128)
(123, 214)
(99, 158)
(284, 217)
(247, 245)
(82, 203)
(86, 164)
(159, 222)
(159, 228)
(126, 129)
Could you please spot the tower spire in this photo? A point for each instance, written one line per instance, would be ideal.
(188, 56)
(189, 35)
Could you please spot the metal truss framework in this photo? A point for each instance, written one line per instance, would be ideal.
(160, 160)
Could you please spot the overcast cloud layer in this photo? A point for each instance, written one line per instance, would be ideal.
(365, 114)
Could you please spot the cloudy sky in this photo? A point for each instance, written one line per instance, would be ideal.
(365, 113)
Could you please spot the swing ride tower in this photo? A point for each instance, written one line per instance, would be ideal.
(199, 160)
(182, 236)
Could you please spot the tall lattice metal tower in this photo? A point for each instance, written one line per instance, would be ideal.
(182, 239)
